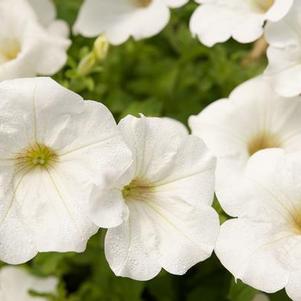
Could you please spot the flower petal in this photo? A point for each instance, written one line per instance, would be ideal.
(45, 51)
(215, 22)
(154, 143)
(120, 19)
(141, 246)
(279, 9)
(287, 82)
(249, 250)
(175, 3)
(16, 245)
(96, 16)
(45, 10)
(41, 52)
(130, 248)
(107, 208)
(284, 52)
(274, 179)
(293, 287)
(16, 113)
(191, 174)
(52, 216)
(191, 231)
(16, 283)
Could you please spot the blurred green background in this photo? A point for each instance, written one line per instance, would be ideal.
(171, 75)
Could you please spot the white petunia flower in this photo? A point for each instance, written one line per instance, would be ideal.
(261, 297)
(252, 119)
(160, 209)
(217, 21)
(32, 42)
(16, 284)
(52, 146)
(263, 246)
(121, 19)
(284, 53)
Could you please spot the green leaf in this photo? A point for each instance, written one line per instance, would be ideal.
(150, 107)
(241, 292)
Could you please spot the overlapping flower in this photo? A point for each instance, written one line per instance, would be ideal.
(252, 119)
(262, 246)
(163, 199)
(53, 144)
(16, 284)
(121, 19)
(217, 21)
(284, 53)
(32, 42)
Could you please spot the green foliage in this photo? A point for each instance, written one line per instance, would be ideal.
(172, 75)
(241, 292)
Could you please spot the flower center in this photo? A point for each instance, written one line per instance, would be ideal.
(142, 3)
(9, 49)
(263, 5)
(138, 190)
(262, 141)
(37, 155)
(296, 222)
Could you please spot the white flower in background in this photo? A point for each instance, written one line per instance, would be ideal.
(162, 204)
(217, 21)
(52, 146)
(16, 283)
(263, 246)
(261, 297)
(32, 42)
(121, 19)
(254, 118)
(284, 53)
